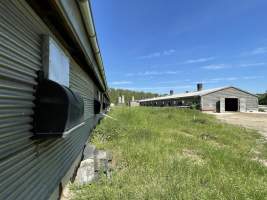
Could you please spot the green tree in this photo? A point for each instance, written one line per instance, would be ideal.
(115, 93)
(263, 99)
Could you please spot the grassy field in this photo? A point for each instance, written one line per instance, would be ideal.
(166, 153)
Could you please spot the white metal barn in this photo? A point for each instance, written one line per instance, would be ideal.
(217, 100)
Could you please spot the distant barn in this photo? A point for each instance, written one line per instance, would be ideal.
(217, 100)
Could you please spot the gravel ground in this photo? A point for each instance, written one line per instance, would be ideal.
(257, 121)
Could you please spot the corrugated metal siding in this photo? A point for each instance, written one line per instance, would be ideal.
(17, 79)
(30, 169)
(209, 101)
(81, 83)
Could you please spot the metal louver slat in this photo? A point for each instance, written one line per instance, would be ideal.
(81, 83)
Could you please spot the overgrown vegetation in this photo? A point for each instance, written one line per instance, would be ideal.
(166, 153)
(115, 93)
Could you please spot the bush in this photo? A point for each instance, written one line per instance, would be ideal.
(195, 106)
(261, 110)
(263, 99)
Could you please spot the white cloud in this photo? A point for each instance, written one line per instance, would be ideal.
(215, 67)
(168, 82)
(121, 82)
(256, 51)
(227, 79)
(171, 72)
(252, 64)
(218, 79)
(130, 74)
(160, 87)
(260, 50)
(223, 66)
(152, 55)
(252, 77)
(169, 52)
(148, 73)
(231, 78)
(175, 81)
(199, 60)
(158, 54)
(153, 73)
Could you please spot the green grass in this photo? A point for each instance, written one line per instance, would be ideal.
(166, 153)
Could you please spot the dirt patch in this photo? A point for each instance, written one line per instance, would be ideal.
(257, 157)
(187, 134)
(262, 161)
(194, 156)
(207, 136)
(257, 121)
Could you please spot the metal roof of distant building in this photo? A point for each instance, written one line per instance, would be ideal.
(191, 94)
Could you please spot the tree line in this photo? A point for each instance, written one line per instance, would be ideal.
(128, 94)
(263, 98)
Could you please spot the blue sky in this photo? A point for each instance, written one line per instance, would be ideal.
(158, 45)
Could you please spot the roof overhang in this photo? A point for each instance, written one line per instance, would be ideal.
(71, 22)
(169, 97)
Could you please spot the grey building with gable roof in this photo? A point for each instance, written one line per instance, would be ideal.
(217, 100)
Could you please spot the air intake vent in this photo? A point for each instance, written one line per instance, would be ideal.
(57, 109)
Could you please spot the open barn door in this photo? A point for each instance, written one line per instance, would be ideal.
(242, 105)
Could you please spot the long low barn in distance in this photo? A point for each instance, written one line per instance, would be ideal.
(216, 100)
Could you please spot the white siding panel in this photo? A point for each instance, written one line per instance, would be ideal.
(209, 101)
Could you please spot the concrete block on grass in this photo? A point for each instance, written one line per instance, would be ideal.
(86, 172)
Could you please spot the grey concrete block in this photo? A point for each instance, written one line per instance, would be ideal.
(89, 151)
(95, 162)
(86, 172)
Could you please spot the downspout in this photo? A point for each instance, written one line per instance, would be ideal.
(85, 8)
